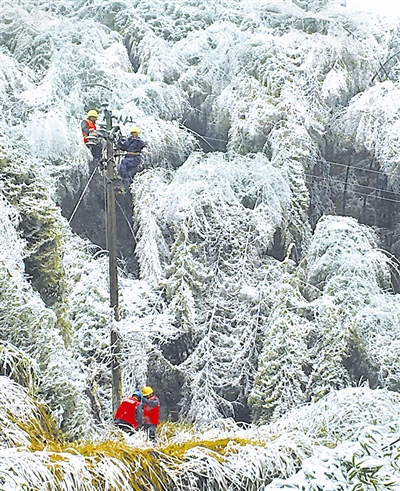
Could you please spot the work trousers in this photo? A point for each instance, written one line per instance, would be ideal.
(129, 167)
(151, 431)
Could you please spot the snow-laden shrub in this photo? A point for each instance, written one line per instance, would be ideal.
(15, 79)
(151, 55)
(371, 123)
(316, 4)
(57, 143)
(353, 278)
(32, 327)
(27, 186)
(143, 323)
(357, 431)
(200, 235)
(210, 63)
(342, 415)
(169, 145)
(23, 421)
(320, 334)
(210, 193)
(348, 439)
(29, 35)
(341, 254)
(322, 69)
(282, 374)
(18, 366)
(291, 147)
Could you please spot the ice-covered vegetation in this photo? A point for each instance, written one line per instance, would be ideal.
(263, 303)
(349, 439)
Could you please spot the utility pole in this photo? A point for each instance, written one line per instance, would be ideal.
(112, 261)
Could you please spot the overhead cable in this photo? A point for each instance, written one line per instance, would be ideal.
(330, 178)
(81, 196)
(363, 170)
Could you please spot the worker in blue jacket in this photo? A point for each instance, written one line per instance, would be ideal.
(130, 164)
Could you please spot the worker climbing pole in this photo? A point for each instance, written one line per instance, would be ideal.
(112, 261)
(131, 163)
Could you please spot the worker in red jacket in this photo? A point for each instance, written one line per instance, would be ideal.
(151, 412)
(129, 415)
(89, 128)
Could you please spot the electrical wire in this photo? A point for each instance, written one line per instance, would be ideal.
(333, 178)
(376, 197)
(362, 170)
(197, 134)
(127, 221)
(81, 196)
(330, 178)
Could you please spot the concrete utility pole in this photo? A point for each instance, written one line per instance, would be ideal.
(112, 261)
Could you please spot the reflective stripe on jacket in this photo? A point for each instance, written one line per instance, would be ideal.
(87, 127)
(151, 410)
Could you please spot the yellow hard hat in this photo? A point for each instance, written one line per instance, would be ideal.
(146, 391)
(92, 113)
(135, 129)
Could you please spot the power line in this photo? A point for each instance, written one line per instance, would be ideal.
(330, 178)
(362, 170)
(333, 178)
(81, 196)
(376, 197)
(127, 221)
